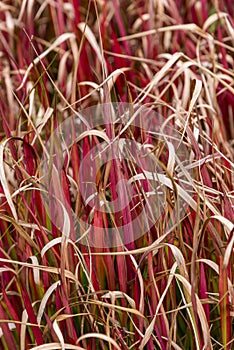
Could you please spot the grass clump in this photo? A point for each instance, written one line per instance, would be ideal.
(166, 70)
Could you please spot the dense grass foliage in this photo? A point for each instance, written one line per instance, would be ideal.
(172, 287)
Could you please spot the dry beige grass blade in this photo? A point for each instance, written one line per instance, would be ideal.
(23, 329)
(141, 283)
(101, 337)
(110, 81)
(44, 300)
(97, 133)
(6, 77)
(31, 99)
(23, 189)
(229, 251)
(201, 313)
(87, 32)
(36, 271)
(119, 294)
(158, 76)
(4, 181)
(63, 62)
(174, 345)
(48, 113)
(85, 29)
(196, 92)
(51, 244)
(229, 225)
(22, 11)
(179, 258)
(59, 334)
(213, 18)
(171, 157)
